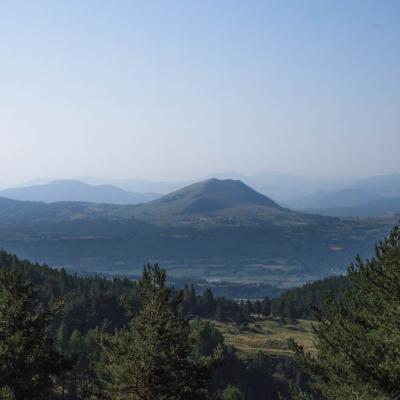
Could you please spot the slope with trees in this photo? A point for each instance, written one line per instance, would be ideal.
(358, 338)
(100, 316)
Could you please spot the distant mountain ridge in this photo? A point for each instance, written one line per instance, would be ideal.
(293, 191)
(377, 208)
(72, 190)
(350, 197)
(376, 196)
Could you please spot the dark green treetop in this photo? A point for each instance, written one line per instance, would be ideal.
(151, 359)
(28, 359)
(358, 338)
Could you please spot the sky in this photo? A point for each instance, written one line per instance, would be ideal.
(173, 90)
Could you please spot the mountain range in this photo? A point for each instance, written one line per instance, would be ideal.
(377, 196)
(214, 229)
(73, 190)
(380, 207)
(373, 197)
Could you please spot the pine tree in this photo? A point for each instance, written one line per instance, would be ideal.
(207, 304)
(358, 338)
(266, 307)
(28, 359)
(62, 345)
(85, 377)
(150, 360)
(189, 300)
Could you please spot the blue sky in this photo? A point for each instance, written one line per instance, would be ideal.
(174, 90)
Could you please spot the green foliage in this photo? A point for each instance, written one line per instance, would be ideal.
(206, 339)
(358, 338)
(232, 393)
(95, 307)
(28, 358)
(300, 302)
(210, 307)
(89, 302)
(150, 359)
(85, 378)
(6, 393)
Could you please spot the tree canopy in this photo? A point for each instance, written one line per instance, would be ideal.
(151, 358)
(28, 358)
(358, 338)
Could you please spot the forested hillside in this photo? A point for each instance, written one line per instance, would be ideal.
(357, 337)
(95, 301)
(82, 314)
(300, 302)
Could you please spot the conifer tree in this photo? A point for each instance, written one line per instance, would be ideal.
(150, 360)
(358, 338)
(28, 359)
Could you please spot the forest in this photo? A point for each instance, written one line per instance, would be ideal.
(65, 336)
(80, 314)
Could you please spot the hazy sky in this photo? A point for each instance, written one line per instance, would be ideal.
(174, 90)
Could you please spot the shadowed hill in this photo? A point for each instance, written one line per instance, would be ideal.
(208, 197)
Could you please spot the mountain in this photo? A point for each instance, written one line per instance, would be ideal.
(71, 190)
(381, 185)
(331, 199)
(286, 188)
(211, 197)
(279, 186)
(360, 192)
(377, 208)
(137, 185)
(219, 230)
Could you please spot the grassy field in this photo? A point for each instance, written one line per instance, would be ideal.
(269, 336)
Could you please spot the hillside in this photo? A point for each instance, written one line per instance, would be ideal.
(268, 336)
(217, 230)
(71, 190)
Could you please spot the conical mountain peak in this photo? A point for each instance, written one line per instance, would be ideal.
(210, 196)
